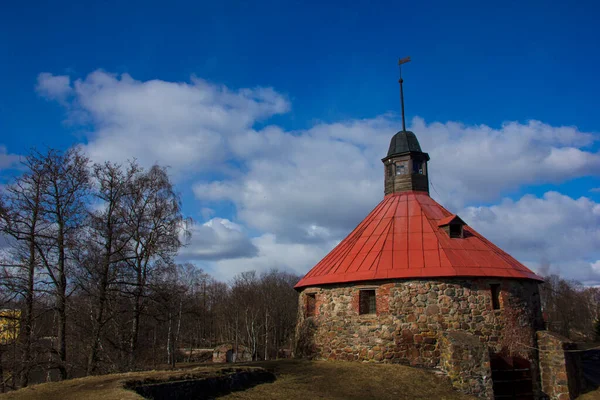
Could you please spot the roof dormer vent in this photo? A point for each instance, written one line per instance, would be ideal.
(453, 226)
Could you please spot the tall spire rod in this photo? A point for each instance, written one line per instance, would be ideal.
(401, 81)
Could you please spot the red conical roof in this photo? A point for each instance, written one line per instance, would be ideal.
(402, 238)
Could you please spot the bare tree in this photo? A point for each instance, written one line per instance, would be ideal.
(107, 243)
(281, 304)
(570, 308)
(264, 308)
(64, 197)
(91, 266)
(155, 223)
(22, 220)
(168, 293)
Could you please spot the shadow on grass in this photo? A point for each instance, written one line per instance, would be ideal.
(231, 380)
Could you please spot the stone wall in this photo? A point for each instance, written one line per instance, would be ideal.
(412, 313)
(560, 368)
(227, 353)
(466, 361)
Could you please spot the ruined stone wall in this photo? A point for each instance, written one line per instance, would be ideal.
(466, 361)
(220, 353)
(560, 366)
(411, 315)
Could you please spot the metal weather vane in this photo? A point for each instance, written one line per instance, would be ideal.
(401, 81)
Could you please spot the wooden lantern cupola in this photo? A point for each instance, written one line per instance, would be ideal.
(405, 165)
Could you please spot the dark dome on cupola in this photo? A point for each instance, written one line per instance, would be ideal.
(404, 142)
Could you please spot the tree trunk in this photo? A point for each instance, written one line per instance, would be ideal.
(176, 336)
(98, 321)
(266, 335)
(29, 290)
(154, 348)
(135, 328)
(61, 304)
(235, 353)
(2, 384)
(62, 330)
(28, 317)
(169, 341)
(141, 268)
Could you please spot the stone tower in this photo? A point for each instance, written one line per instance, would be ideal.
(414, 284)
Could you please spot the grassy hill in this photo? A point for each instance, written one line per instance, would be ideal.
(296, 379)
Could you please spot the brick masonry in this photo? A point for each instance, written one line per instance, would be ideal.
(413, 314)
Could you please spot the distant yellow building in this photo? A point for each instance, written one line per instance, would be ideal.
(9, 325)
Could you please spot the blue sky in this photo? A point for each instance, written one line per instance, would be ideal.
(333, 68)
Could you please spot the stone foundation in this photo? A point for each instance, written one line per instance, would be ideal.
(411, 315)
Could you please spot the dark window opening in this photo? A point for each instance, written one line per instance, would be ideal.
(417, 167)
(495, 289)
(311, 305)
(367, 303)
(511, 377)
(390, 170)
(456, 231)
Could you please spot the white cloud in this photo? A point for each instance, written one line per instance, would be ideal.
(217, 239)
(207, 213)
(330, 176)
(187, 126)
(478, 163)
(7, 160)
(293, 257)
(302, 191)
(596, 266)
(303, 187)
(552, 234)
(54, 87)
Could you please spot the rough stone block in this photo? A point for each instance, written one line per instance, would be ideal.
(560, 370)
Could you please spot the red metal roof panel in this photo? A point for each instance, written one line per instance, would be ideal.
(401, 238)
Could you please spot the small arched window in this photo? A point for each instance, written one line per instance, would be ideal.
(495, 293)
(311, 304)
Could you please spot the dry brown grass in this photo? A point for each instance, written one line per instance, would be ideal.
(296, 379)
(595, 395)
(106, 387)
